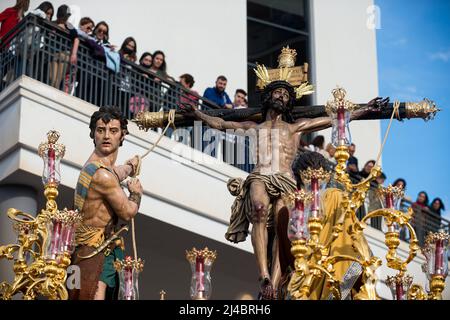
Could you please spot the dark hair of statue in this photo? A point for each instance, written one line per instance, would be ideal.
(266, 100)
(107, 114)
(308, 159)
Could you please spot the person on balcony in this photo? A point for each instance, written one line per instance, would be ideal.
(331, 150)
(101, 200)
(163, 94)
(146, 62)
(127, 53)
(139, 102)
(128, 50)
(101, 34)
(420, 208)
(159, 67)
(187, 81)
(364, 173)
(239, 101)
(85, 28)
(64, 56)
(218, 94)
(401, 183)
(436, 208)
(352, 164)
(45, 10)
(10, 17)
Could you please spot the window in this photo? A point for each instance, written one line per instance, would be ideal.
(271, 25)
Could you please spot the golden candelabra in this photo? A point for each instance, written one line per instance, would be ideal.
(315, 259)
(45, 242)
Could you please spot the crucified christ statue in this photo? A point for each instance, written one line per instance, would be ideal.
(259, 198)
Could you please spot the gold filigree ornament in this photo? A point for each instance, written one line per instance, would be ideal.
(320, 174)
(285, 69)
(287, 58)
(298, 195)
(399, 279)
(425, 109)
(208, 255)
(397, 192)
(339, 101)
(52, 138)
(129, 263)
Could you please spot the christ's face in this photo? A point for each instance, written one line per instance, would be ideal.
(280, 99)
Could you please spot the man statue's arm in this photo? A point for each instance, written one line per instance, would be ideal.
(106, 184)
(311, 125)
(220, 124)
(128, 169)
(317, 124)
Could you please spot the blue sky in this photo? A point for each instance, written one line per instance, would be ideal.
(413, 43)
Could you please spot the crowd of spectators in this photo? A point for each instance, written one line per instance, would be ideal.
(96, 37)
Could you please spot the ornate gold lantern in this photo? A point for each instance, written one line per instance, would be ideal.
(45, 242)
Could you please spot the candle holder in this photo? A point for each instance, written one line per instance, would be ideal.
(315, 181)
(340, 111)
(201, 263)
(52, 153)
(436, 267)
(61, 234)
(399, 285)
(45, 242)
(390, 196)
(128, 270)
(298, 205)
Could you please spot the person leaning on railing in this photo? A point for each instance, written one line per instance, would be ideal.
(435, 208)
(419, 218)
(10, 17)
(44, 10)
(63, 57)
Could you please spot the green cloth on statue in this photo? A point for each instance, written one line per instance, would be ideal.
(108, 275)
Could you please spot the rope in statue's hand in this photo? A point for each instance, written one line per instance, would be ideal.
(136, 171)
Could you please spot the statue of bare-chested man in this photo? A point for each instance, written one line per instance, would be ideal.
(259, 198)
(101, 200)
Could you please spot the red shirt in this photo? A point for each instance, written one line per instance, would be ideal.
(9, 19)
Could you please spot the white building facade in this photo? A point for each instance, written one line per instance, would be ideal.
(186, 203)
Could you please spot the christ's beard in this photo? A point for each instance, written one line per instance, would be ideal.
(278, 106)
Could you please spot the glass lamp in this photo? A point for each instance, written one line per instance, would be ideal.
(128, 270)
(201, 262)
(340, 111)
(436, 254)
(315, 181)
(60, 240)
(52, 153)
(390, 198)
(298, 206)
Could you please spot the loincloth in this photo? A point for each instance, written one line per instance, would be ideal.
(97, 268)
(276, 185)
